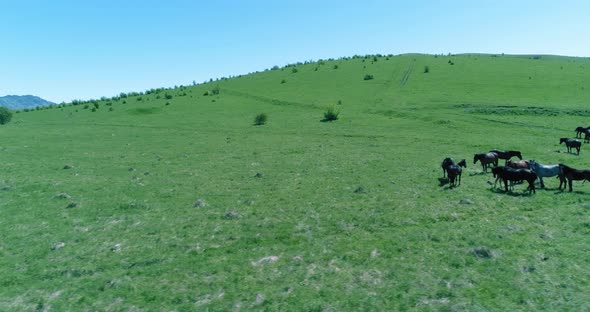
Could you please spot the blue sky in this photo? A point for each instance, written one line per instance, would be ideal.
(65, 50)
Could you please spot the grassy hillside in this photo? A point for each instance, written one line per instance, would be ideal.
(174, 200)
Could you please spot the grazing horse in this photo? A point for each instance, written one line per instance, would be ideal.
(587, 135)
(545, 171)
(569, 143)
(521, 164)
(506, 155)
(486, 159)
(580, 130)
(570, 174)
(510, 174)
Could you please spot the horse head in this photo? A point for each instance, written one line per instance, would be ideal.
(462, 163)
(476, 157)
(561, 140)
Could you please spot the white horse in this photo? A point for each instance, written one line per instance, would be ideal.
(544, 171)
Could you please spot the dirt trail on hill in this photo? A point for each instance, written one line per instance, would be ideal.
(407, 74)
(268, 100)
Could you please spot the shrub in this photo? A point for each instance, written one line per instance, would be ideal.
(294, 70)
(215, 90)
(94, 109)
(5, 115)
(368, 77)
(206, 93)
(260, 119)
(168, 96)
(95, 105)
(426, 69)
(111, 109)
(335, 66)
(283, 81)
(331, 113)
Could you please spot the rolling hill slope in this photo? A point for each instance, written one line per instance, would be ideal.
(174, 200)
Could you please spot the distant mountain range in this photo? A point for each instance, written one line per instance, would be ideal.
(22, 101)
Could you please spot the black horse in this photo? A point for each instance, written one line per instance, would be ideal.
(571, 143)
(587, 136)
(511, 174)
(570, 174)
(486, 159)
(506, 155)
(450, 161)
(454, 172)
(580, 130)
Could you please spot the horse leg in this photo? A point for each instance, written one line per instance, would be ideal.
(505, 185)
(569, 181)
(541, 180)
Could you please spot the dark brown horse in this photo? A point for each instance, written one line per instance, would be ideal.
(571, 143)
(580, 130)
(506, 155)
(570, 174)
(510, 174)
(486, 159)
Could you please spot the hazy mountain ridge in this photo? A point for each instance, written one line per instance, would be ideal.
(23, 101)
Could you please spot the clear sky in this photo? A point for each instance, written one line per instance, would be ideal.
(63, 50)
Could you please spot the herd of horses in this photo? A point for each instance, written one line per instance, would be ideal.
(521, 170)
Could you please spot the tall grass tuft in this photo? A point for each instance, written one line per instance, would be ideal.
(331, 113)
(260, 119)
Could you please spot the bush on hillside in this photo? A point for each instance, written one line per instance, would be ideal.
(426, 69)
(215, 91)
(368, 77)
(5, 115)
(331, 113)
(260, 119)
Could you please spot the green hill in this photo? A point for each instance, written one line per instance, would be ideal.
(171, 199)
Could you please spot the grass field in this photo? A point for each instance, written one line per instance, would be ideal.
(189, 206)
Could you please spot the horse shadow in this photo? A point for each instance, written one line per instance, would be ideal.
(471, 174)
(510, 192)
(443, 181)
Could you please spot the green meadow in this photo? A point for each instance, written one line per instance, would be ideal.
(173, 200)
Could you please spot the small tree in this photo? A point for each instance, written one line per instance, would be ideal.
(260, 119)
(426, 69)
(5, 115)
(368, 77)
